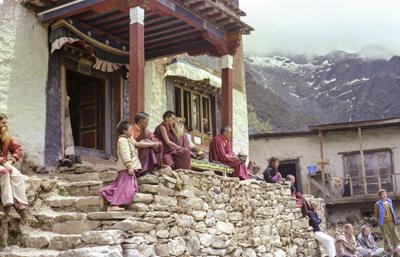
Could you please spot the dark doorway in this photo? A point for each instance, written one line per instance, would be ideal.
(87, 110)
(290, 167)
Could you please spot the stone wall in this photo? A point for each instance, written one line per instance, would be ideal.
(196, 214)
(23, 75)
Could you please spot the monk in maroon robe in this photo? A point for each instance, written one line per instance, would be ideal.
(221, 151)
(175, 156)
(150, 157)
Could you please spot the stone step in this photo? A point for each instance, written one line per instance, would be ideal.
(105, 176)
(80, 188)
(55, 241)
(76, 203)
(49, 240)
(98, 251)
(65, 222)
(15, 251)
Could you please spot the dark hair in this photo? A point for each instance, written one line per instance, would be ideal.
(225, 129)
(381, 191)
(140, 116)
(122, 126)
(3, 116)
(272, 159)
(168, 114)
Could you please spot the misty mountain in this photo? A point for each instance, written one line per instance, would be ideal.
(294, 92)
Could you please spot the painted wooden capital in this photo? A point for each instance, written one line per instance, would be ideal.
(227, 62)
(136, 15)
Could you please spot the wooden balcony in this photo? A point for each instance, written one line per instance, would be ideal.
(355, 189)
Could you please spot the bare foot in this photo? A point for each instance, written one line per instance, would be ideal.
(115, 208)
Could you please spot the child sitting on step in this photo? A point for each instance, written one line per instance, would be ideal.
(123, 189)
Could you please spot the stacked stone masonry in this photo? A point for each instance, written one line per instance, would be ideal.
(182, 213)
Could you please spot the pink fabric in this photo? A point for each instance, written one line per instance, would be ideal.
(149, 158)
(175, 157)
(122, 190)
(220, 150)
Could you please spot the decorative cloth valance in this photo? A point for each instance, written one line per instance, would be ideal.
(109, 55)
(189, 71)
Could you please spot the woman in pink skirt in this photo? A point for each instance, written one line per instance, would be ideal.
(124, 188)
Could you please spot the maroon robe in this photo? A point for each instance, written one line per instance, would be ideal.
(220, 149)
(175, 157)
(149, 157)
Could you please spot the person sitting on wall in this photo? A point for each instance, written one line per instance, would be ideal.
(13, 195)
(221, 151)
(175, 156)
(387, 220)
(271, 173)
(254, 171)
(310, 210)
(151, 156)
(182, 140)
(346, 244)
(367, 241)
(299, 196)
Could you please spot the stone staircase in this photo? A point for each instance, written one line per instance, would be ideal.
(71, 220)
(177, 213)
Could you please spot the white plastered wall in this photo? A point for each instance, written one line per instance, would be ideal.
(306, 148)
(23, 76)
(240, 123)
(155, 91)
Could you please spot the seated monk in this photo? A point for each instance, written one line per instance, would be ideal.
(182, 140)
(150, 156)
(175, 156)
(221, 151)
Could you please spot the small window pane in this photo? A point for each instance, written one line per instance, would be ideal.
(187, 109)
(206, 115)
(178, 102)
(196, 112)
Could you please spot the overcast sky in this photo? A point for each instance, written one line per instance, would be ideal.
(320, 26)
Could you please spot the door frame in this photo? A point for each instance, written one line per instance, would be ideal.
(65, 66)
(298, 171)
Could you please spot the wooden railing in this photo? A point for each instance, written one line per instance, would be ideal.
(356, 186)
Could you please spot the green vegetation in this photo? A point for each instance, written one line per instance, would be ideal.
(255, 124)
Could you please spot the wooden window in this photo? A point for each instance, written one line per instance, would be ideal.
(195, 107)
(378, 169)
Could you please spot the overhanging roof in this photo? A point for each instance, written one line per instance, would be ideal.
(170, 26)
(357, 124)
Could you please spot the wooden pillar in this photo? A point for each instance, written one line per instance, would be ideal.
(136, 61)
(321, 148)
(226, 91)
(362, 160)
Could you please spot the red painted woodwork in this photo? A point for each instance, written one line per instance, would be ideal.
(136, 69)
(226, 97)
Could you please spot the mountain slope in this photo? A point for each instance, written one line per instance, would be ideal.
(291, 93)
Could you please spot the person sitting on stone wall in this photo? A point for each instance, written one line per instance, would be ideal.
(271, 173)
(13, 195)
(347, 246)
(175, 156)
(182, 140)
(151, 156)
(367, 241)
(221, 151)
(310, 211)
(254, 171)
(299, 196)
